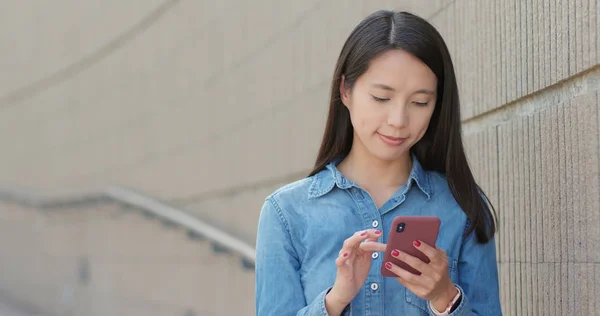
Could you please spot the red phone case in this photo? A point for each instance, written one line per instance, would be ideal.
(403, 232)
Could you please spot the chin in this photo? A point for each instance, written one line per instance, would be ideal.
(386, 155)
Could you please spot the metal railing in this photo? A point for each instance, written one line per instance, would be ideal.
(220, 240)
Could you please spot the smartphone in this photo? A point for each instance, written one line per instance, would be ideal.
(403, 232)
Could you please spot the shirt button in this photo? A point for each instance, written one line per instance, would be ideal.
(375, 255)
(374, 286)
(375, 223)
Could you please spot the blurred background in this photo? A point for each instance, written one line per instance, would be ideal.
(140, 138)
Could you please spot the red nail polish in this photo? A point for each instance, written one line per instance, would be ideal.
(388, 265)
(345, 254)
(395, 253)
(417, 243)
(377, 232)
(363, 234)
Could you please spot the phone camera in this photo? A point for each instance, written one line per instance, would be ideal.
(400, 227)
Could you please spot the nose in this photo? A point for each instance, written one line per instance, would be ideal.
(398, 116)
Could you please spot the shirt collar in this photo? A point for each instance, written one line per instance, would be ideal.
(330, 176)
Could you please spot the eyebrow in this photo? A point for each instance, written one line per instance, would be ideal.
(386, 87)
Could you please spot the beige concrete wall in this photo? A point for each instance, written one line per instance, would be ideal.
(213, 104)
(114, 261)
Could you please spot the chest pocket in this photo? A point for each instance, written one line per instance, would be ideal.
(417, 304)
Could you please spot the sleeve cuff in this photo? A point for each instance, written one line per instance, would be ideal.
(463, 309)
(321, 310)
(321, 300)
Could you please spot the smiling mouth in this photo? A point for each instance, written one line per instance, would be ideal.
(392, 141)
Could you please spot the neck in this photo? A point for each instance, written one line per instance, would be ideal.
(371, 172)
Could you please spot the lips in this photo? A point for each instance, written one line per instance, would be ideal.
(392, 141)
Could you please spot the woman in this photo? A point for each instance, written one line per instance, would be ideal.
(392, 146)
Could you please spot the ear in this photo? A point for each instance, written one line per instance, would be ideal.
(344, 93)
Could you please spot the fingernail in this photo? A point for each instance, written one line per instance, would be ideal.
(395, 253)
(377, 232)
(388, 265)
(417, 243)
(363, 234)
(345, 254)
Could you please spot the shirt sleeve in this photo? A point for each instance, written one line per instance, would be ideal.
(478, 279)
(278, 287)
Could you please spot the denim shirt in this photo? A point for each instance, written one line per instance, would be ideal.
(303, 225)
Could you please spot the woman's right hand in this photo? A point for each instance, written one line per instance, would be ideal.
(353, 265)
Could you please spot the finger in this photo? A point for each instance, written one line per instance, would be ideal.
(415, 289)
(372, 246)
(412, 261)
(442, 253)
(342, 259)
(346, 250)
(352, 241)
(358, 237)
(408, 285)
(373, 234)
(407, 277)
(429, 251)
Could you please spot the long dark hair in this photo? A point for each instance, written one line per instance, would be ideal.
(441, 148)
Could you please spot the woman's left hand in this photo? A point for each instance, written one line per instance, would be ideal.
(434, 283)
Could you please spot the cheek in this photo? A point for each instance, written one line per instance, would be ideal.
(365, 119)
(421, 122)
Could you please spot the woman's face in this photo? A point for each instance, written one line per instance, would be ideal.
(391, 104)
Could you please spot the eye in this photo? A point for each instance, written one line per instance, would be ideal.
(379, 99)
(421, 103)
